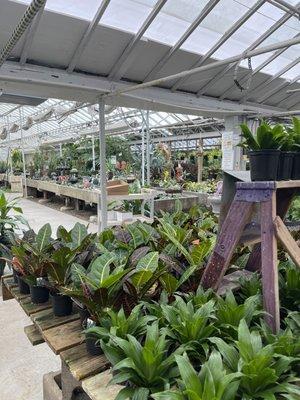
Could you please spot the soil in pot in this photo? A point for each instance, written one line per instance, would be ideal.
(39, 294)
(62, 305)
(91, 346)
(285, 166)
(23, 286)
(264, 165)
(296, 166)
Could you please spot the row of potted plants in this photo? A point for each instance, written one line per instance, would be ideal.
(137, 287)
(274, 151)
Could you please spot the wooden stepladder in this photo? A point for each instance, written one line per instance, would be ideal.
(273, 199)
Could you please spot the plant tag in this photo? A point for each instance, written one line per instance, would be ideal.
(39, 281)
(90, 323)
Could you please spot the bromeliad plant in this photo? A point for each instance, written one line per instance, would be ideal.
(267, 137)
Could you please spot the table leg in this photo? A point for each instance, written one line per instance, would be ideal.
(228, 238)
(269, 266)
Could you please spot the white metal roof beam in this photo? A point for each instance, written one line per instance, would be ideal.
(285, 6)
(121, 65)
(56, 83)
(30, 34)
(271, 79)
(86, 37)
(254, 72)
(206, 10)
(222, 40)
(277, 89)
(257, 42)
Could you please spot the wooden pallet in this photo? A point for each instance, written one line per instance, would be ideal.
(34, 335)
(98, 388)
(45, 319)
(7, 283)
(81, 364)
(64, 336)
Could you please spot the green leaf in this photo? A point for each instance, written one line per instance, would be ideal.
(169, 282)
(149, 262)
(43, 237)
(78, 233)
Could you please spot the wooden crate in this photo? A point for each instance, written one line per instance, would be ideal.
(117, 187)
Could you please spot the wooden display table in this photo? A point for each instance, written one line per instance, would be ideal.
(80, 371)
(274, 199)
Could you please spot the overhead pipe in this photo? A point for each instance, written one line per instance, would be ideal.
(19, 30)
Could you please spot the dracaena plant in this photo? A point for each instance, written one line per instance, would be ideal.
(31, 254)
(190, 326)
(118, 324)
(229, 313)
(265, 374)
(146, 367)
(213, 382)
(267, 137)
(289, 283)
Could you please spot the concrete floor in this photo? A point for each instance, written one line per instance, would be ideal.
(22, 366)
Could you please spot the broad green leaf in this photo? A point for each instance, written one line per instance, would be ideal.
(149, 262)
(43, 237)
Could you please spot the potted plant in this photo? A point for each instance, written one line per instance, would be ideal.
(294, 132)
(264, 150)
(286, 158)
(71, 247)
(8, 224)
(31, 259)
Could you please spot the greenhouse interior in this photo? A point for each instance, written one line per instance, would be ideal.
(150, 199)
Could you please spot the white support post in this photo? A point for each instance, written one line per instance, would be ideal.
(93, 153)
(60, 150)
(200, 160)
(232, 125)
(23, 155)
(143, 151)
(148, 148)
(102, 205)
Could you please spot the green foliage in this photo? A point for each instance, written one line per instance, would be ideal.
(147, 367)
(212, 383)
(267, 137)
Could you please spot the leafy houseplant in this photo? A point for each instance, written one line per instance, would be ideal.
(31, 259)
(294, 134)
(264, 150)
(8, 224)
(146, 368)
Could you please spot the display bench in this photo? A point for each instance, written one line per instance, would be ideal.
(90, 196)
(273, 200)
(81, 373)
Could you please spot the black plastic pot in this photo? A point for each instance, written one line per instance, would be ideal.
(15, 275)
(285, 166)
(91, 346)
(39, 294)
(296, 166)
(23, 286)
(62, 305)
(264, 165)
